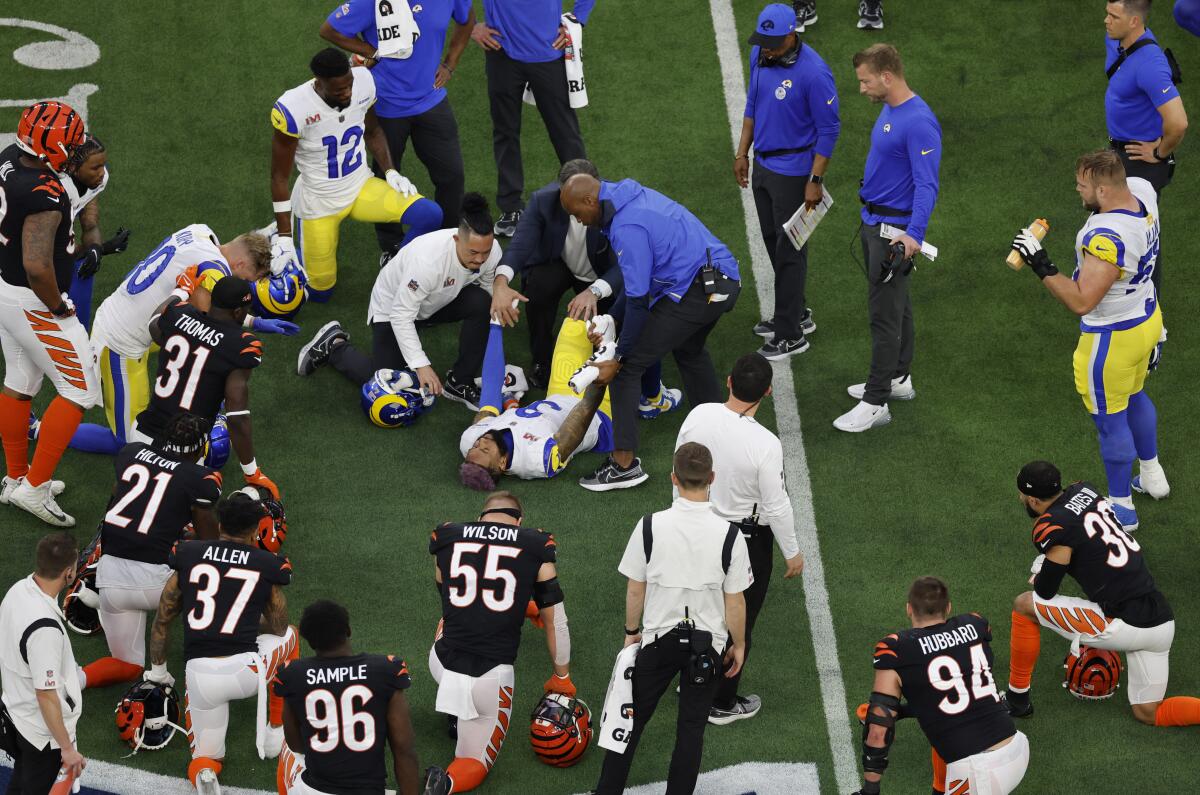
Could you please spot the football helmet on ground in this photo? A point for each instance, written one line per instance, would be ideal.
(148, 716)
(561, 730)
(81, 600)
(1094, 674)
(394, 398)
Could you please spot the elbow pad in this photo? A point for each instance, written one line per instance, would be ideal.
(1048, 580)
(882, 710)
(547, 593)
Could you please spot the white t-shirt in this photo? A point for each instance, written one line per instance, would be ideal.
(748, 462)
(685, 570)
(575, 253)
(330, 154)
(534, 451)
(1130, 242)
(422, 278)
(35, 654)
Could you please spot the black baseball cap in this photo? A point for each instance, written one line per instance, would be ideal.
(1039, 479)
(231, 293)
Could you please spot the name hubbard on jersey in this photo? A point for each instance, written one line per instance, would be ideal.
(949, 639)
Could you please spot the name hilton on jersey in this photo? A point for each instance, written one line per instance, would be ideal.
(944, 640)
(344, 673)
(154, 459)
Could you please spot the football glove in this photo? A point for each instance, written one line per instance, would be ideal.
(399, 184)
(269, 325)
(89, 263)
(561, 685)
(534, 615)
(117, 243)
(283, 252)
(261, 480)
(1156, 354)
(1036, 568)
(1030, 249)
(159, 675)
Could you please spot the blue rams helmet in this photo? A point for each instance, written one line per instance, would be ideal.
(217, 451)
(394, 398)
(280, 295)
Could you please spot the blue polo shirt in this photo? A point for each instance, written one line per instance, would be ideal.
(902, 166)
(528, 28)
(404, 87)
(792, 106)
(1136, 91)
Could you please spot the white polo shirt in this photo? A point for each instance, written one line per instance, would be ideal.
(35, 654)
(684, 570)
(748, 462)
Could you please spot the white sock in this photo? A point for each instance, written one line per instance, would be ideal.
(1125, 502)
(1149, 463)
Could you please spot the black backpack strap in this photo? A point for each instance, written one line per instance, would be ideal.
(648, 534)
(731, 536)
(41, 623)
(1137, 45)
(1173, 65)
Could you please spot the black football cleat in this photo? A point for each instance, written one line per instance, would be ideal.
(460, 392)
(317, 351)
(1019, 704)
(437, 782)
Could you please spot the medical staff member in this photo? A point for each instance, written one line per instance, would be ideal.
(411, 93)
(792, 119)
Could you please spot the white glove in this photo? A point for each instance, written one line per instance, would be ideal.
(1026, 243)
(159, 675)
(1036, 568)
(283, 253)
(515, 383)
(583, 378)
(399, 183)
(605, 326)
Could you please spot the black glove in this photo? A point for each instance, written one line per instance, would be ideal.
(89, 263)
(117, 243)
(895, 263)
(1030, 249)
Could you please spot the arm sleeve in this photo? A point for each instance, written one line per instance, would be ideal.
(633, 562)
(776, 506)
(925, 155)
(1154, 78)
(739, 577)
(492, 396)
(825, 112)
(406, 305)
(583, 10)
(352, 17)
(1049, 579)
(44, 650)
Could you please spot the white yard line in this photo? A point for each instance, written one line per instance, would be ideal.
(816, 595)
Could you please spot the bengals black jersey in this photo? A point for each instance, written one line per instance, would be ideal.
(152, 503)
(225, 586)
(198, 354)
(341, 704)
(488, 572)
(1105, 560)
(946, 678)
(26, 191)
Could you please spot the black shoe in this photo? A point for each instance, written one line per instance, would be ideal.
(386, 256)
(807, 324)
(782, 349)
(765, 328)
(467, 394)
(437, 782)
(1019, 704)
(317, 351)
(539, 376)
(452, 726)
(611, 476)
(506, 225)
(806, 13)
(870, 15)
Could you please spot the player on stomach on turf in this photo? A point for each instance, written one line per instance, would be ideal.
(1121, 323)
(538, 440)
(1076, 533)
(487, 572)
(943, 669)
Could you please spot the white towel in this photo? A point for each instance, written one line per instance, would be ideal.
(573, 55)
(454, 696)
(396, 29)
(616, 722)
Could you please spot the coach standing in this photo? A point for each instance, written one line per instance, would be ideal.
(679, 280)
(42, 696)
(749, 492)
(1142, 108)
(411, 93)
(900, 188)
(792, 119)
(524, 42)
(687, 569)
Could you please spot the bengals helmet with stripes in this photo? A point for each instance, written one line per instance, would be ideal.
(1094, 674)
(50, 130)
(561, 730)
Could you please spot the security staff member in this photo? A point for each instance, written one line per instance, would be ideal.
(687, 569)
(748, 491)
(552, 252)
(411, 94)
(679, 280)
(899, 188)
(1142, 108)
(40, 681)
(792, 119)
(524, 42)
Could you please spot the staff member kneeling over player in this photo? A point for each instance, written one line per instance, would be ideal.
(687, 569)
(442, 277)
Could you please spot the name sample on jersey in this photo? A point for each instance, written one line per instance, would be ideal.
(941, 641)
(148, 456)
(197, 328)
(490, 532)
(344, 673)
(236, 557)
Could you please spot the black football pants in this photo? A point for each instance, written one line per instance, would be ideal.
(1159, 175)
(890, 309)
(35, 769)
(761, 546)
(776, 198)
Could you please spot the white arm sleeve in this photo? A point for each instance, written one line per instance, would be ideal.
(562, 637)
(776, 506)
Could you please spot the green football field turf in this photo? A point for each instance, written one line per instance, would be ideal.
(182, 103)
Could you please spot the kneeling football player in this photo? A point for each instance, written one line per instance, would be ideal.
(942, 667)
(487, 572)
(1077, 533)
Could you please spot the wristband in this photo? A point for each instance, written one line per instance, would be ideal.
(248, 322)
(158, 670)
(283, 206)
(815, 179)
(62, 310)
(249, 469)
(632, 632)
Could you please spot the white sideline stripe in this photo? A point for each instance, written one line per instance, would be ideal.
(752, 778)
(816, 595)
(109, 777)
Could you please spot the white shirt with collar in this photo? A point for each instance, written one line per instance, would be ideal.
(684, 570)
(748, 462)
(35, 654)
(423, 277)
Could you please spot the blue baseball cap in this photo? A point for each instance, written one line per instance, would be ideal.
(774, 24)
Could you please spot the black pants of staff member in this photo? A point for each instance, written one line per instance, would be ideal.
(658, 663)
(761, 545)
(35, 768)
(544, 285)
(506, 80)
(434, 135)
(680, 328)
(890, 309)
(1159, 175)
(776, 198)
(472, 306)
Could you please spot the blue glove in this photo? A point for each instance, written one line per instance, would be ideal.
(269, 325)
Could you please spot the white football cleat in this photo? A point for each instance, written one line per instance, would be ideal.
(8, 484)
(902, 389)
(39, 501)
(273, 741)
(1152, 480)
(863, 417)
(206, 782)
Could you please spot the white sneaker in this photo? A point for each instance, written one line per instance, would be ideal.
(8, 484)
(902, 389)
(273, 741)
(39, 501)
(863, 417)
(206, 782)
(1152, 480)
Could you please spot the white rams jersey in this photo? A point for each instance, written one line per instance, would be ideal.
(123, 321)
(1130, 242)
(81, 200)
(533, 448)
(330, 154)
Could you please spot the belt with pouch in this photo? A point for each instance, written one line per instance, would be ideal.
(795, 150)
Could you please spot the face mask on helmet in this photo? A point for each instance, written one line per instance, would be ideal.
(81, 600)
(147, 716)
(394, 398)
